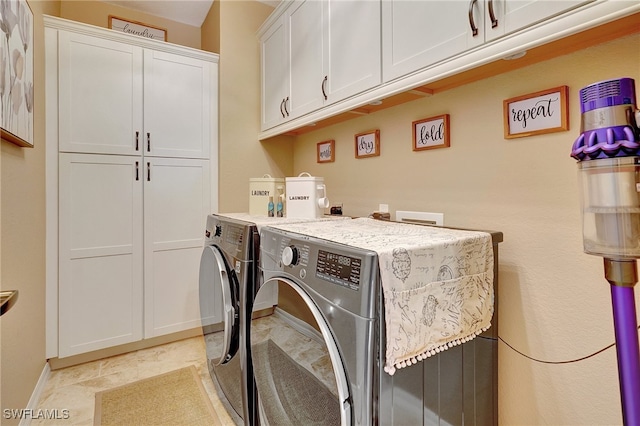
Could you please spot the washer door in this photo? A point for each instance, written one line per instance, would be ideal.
(218, 306)
(298, 370)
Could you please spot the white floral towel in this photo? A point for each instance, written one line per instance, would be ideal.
(437, 282)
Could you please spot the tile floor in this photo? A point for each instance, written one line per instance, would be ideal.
(73, 388)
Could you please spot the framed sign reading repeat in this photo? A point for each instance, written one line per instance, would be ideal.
(137, 28)
(536, 113)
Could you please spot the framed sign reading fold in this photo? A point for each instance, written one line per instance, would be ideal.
(16, 72)
(431, 133)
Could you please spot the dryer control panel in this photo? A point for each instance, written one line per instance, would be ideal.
(344, 275)
(339, 269)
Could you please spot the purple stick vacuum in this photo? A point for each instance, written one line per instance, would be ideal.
(608, 154)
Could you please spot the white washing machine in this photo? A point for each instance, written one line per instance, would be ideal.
(319, 359)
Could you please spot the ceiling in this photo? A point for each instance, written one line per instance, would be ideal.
(190, 12)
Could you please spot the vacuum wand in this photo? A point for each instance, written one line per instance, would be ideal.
(623, 275)
(608, 154)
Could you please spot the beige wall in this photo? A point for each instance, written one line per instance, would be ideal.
(211, 29)
(97, 13)
(554, 301)
(22, 247)
(242, 155)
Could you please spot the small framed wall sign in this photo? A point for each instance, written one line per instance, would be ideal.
(368, 144)
(325, 151)
(137, 28)
(431, 133)
(537, 113)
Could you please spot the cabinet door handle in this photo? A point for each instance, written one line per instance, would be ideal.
(137, 140)
(148, 142)
(137, 170)
(148, 171)
(494, 21)
(324, 84)
(472, 22)
(282, 106)
(285, 106)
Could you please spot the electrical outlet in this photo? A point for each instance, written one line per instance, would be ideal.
(383, 208)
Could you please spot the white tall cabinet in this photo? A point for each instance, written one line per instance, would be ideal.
(132, 175)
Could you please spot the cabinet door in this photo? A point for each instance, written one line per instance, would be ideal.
(416, 34)
(352, 47)
(100, 95)
(100, 252)
(176, 202)
(177, 105)
(513, 15)
(274, 53)
(305, 23)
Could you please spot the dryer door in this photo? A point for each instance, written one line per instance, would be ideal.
(218, 306)
(298, 369)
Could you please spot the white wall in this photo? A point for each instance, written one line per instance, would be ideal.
(554, 302)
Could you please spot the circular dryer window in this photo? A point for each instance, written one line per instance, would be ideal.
(297, 366)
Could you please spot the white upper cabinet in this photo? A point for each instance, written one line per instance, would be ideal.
(305, 23)
(100, 103)
(506, 16)
(316, 53)
(275, 74)
(416, 34)
(177, 105)
(351, 48)
(119, 98)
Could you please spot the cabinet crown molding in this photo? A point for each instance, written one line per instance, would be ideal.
(92, 30)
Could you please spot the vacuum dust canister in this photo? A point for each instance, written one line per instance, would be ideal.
(608, 154)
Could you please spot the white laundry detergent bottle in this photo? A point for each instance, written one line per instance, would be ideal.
(306, 196)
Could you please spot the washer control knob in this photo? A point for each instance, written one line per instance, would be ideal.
(290, 256)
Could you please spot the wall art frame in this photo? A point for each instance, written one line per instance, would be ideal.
(546, 111)
(325, 151)
(431, 133)
(140, 29)
(367, 144)
(16, 72)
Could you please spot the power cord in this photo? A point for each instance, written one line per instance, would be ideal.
(557, 362)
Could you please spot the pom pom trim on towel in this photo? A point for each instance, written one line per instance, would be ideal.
(391, 369)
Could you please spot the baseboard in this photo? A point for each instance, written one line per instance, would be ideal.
(34, 401)
(58, 363)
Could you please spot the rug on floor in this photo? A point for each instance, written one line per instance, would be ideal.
(174, 398)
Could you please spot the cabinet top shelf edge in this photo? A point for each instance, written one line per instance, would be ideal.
(87, 29)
